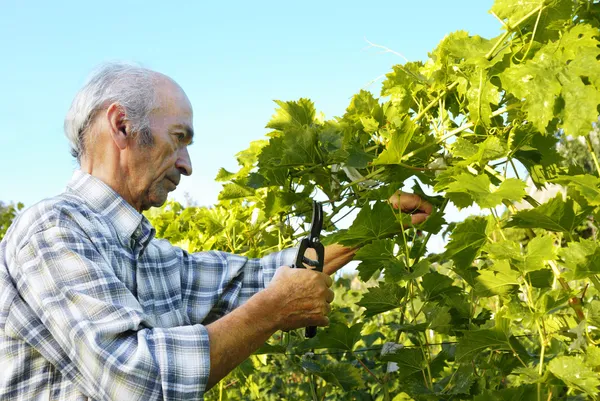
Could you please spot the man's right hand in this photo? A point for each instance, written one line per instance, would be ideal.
(301, 298)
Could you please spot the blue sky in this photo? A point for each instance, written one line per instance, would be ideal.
(232, 58)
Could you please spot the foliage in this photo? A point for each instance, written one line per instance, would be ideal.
(7, 215)
(511, 309)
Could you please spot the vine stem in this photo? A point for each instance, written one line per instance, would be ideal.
(593, 154)
(533, 34)
(313, 390)
(458, 130)
(510, 29)
(363, 179)
(367, 369)
(434, 101)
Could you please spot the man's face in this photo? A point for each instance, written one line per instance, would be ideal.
(155, 170)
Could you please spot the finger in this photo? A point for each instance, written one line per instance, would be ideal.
(323, 321)
(330, 296)
(395, 199)
(328, 280)
(418, 218)
(412, 202)
(327, 309)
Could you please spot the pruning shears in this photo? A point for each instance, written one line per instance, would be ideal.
(312, 241)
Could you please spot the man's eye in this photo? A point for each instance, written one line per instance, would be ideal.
(180, 137)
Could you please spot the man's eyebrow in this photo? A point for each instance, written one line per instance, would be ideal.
(189, 132)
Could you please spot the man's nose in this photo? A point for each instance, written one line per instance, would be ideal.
(183, 163)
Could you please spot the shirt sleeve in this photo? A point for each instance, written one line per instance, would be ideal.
(224, 281)
(96, 332)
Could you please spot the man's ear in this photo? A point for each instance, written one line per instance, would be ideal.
(118, 125)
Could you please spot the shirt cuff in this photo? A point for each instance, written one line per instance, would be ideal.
(273, 261)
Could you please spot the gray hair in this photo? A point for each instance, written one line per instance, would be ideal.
(131, 86)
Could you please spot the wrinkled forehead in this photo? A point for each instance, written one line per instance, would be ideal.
(170, 97)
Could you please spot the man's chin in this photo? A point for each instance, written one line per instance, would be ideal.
(158, 199)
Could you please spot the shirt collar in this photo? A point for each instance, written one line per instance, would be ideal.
(102, 199)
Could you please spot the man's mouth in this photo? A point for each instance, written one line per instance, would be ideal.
(173, 182)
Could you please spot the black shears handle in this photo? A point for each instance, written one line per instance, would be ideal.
(312, 241)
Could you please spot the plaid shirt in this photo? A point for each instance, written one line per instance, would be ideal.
(93, 307)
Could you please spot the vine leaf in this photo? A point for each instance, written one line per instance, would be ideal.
(490, 149)
(554, 215)
(370, 224)
(466, 242)
(587, 185)
(575, 373)
(375, 256)
(499, 279)
(476, 341)
(336, 336)
(514, 10)
(539, 250)
(436, 284)
(381, 299)
(409, 360)
(581, 259)
(400, 138)
(469, 188)
(292, 114)
(549, 75)
(342, 375)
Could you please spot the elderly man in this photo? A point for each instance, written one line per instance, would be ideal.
(93, 307)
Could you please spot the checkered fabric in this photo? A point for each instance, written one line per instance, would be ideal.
(93, 307)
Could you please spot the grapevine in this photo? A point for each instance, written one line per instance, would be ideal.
(511, 308)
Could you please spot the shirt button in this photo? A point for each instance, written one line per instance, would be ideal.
(137, 233)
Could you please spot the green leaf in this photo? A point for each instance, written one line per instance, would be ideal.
(296, 147)
(370, 125)
(554, 215)
(592, 356)
(434, 222)
(575, 374)
(481, 94)
(224, 175)
(375, 256)
(587, 185)
(475, 342)
(342, 375)
(235, 191)
(436, 284)
(363, 105)
(581, 259)
(463, 380)
(370, 224)
(522, 393)
(536, 82)
(514, 10)
(401, 83)
(466, 242)
(581, 106)
(581, 52)
(409, 360)
(381, 299)
(539, 250)
(481, 153)
(468, 189)
(292, 115)
(540, 278)
(399, 273)
(593, 315)
(270, 349)
(396, 146)
(336, 336)
(499, 279)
